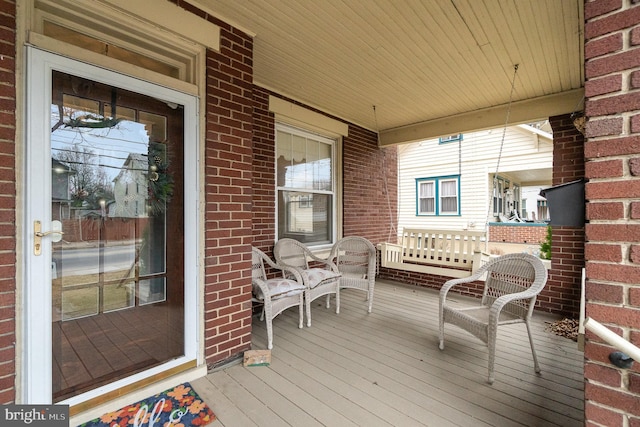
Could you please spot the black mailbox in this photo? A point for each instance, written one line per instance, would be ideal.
(566, 203)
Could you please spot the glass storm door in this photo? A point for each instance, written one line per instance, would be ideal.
(117, 292)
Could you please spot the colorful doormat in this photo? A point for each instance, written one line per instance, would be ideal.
(179, 406)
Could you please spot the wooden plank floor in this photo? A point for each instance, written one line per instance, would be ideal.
(96, 350)
(385, 369)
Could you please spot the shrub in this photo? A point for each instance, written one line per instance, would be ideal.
(545, 246)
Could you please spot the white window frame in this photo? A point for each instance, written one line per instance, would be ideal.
(441, 196)
(420, 197)
(333, 142)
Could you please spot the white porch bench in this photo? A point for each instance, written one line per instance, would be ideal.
(451, 253)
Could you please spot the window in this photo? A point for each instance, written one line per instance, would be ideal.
(450, 138)
(506, 197)
(306, 201)
(449, 196)
(305, 186)
(438, 196)
(498, 196)
(427, 198)
(543, 210)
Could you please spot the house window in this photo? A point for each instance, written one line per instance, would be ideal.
(438, 196)
(514, 198)
(449, 197)
(498, 196)
(543, 210)
(506, 197)
(306, 201)
(450, 138)
(305, 186)
(426, 198)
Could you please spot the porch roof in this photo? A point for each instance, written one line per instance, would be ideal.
(430, 68)
(385, 368)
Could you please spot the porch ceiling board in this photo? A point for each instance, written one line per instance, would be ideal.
(416, 62)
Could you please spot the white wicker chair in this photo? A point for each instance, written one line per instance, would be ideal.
(355, 258)
(318, 281)
(512, 284)
(275, 294)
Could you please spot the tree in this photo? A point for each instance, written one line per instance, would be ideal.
(89, 183)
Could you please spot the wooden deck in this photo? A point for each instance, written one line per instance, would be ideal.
(385, 369)
(96, 350)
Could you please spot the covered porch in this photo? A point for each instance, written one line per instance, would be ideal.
(385, 368)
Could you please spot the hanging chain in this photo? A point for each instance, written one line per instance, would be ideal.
(504, 132)
(392, 226)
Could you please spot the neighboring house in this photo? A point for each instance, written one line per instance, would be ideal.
(534, 206)
(130, 188)
(61, 190)
(451, 183)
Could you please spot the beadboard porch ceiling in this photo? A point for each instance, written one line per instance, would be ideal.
(430, 68)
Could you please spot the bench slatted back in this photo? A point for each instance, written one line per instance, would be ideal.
(442, 247)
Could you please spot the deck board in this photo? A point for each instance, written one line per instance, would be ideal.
(95, 350)
(385, 368)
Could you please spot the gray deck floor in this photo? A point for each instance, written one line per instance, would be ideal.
(385, 369)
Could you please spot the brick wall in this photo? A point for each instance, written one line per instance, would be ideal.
(228, 196)
(562, 292)
(370, 186)
(612, 152)
(7, 201)
(532, 234)
(264, 176)
(431, 281)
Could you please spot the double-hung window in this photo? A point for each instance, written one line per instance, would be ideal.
(305, 185)
(438, 196)
(449, 196)
(426, 197)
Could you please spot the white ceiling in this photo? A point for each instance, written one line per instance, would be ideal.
(430, 67)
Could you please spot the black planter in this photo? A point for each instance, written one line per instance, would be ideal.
(566, 203)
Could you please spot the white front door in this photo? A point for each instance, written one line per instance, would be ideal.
(108, 297)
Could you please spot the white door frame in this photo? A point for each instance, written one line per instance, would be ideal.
(36, 368)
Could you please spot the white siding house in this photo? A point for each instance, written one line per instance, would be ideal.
(130, 188)
(448, 183)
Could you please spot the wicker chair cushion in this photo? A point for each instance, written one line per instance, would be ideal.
(279, 288)
(318, 276)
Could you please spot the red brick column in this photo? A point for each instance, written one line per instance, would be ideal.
(562, 293)
(7, 201)
(612, 152)
(228, 196)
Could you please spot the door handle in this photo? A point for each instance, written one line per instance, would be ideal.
(55, 233)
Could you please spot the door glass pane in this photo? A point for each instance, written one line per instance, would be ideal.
(117, 178)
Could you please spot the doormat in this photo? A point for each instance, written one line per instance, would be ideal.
(179, 406)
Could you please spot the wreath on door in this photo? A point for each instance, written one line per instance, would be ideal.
(160, 179)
